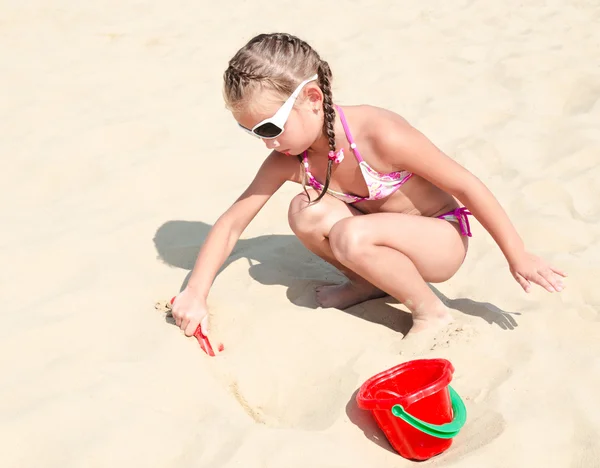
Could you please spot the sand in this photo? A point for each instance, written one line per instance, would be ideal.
(118, 155)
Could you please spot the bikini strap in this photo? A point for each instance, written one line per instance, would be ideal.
(349, 134)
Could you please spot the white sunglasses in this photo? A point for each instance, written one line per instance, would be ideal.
(273, 127)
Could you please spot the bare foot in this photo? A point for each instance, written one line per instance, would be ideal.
(342, 296)
(424, 332)
(430, 322)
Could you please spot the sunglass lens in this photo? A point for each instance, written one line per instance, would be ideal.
(268, 130)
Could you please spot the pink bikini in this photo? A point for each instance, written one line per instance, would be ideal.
(379, 185)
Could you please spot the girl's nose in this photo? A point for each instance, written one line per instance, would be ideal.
(271, 144)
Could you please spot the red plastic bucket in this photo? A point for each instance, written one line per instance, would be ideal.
(415, 407)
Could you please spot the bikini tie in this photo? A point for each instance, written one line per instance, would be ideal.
(463, 221)
(336, 157)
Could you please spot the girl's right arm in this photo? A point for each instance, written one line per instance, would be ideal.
(189, 308)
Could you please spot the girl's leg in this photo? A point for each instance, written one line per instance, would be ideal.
(399, 253)
(312, 223)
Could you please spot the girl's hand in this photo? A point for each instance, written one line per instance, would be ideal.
(189, 310)
(528, 269)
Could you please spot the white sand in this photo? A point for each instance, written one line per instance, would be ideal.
(118, 155)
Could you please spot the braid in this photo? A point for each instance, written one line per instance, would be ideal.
(297, 44)
(237, 77)
(324, 80)
(245, 75)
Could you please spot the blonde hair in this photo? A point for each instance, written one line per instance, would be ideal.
(279, 62)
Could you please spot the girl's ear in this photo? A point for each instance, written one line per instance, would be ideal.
(314, 96)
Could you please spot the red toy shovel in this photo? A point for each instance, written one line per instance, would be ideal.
(203, 339)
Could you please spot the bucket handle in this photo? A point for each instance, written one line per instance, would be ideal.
(443, 431)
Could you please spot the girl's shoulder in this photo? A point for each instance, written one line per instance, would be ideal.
(372, 123)
(369, 118)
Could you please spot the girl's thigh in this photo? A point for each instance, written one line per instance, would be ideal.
(435, 246)
(320, 217)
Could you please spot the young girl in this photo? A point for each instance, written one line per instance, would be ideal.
(378, 200)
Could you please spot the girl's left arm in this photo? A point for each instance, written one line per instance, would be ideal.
(408, 149)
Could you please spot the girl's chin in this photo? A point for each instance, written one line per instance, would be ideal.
(291, 152)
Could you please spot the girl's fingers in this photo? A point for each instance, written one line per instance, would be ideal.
(554, 280)
(543, 282)
(526, 285)
(204, 324)
(558, 272)
(189, 329)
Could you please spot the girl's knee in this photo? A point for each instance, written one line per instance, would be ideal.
(304, 217)
(348, 239)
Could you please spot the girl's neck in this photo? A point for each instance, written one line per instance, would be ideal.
(321, 144)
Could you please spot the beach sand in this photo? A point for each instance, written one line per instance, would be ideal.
(118, 155)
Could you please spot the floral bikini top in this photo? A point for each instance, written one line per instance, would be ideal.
(379, 185)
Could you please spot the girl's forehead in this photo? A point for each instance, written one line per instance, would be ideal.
(261, 105)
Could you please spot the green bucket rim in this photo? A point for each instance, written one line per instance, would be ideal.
(442, 431)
